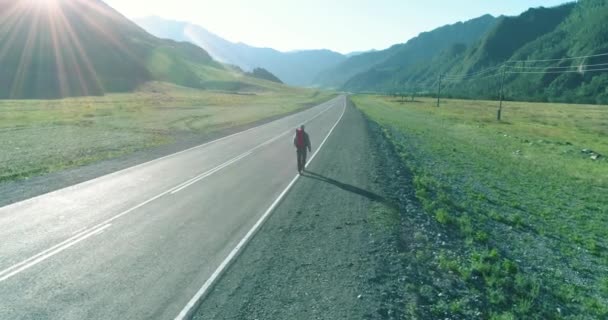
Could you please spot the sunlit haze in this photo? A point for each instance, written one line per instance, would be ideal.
(342, 25)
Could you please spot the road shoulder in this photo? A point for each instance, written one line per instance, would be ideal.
(331, 248)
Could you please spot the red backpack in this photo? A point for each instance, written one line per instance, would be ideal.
(300, 138)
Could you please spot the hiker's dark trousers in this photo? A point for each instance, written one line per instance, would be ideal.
(301, 153)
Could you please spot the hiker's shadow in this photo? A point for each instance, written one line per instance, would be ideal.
(346, 187)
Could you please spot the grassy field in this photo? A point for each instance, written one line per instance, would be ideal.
(522, 204)
(43, 136)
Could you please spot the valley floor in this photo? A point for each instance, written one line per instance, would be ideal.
(518, 206)
(50, 144)
(419, 212)
(330, 250)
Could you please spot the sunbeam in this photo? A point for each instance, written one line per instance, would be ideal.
(52, 44)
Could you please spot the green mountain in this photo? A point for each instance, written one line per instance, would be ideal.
(512, 33)
(513, 45)
(584, 32)
(484, 59)
(374, 70)
(264, 74)
(294, 68)
(336, 76)
(56, 48)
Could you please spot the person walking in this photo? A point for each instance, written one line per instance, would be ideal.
(302, 142)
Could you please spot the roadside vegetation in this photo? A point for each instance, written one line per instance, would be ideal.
(44, 136)
(518, 208)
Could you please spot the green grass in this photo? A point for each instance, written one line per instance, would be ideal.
(524, 208)
(43, 136)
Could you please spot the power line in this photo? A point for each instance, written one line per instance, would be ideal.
(544, 70)
(562, 59)
(450, 78)
(510, 69)
(464, 76)
(472, 78)
(564, 71)
(562, 67)
(507, 69)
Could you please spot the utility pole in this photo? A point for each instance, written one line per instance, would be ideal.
(501, 94)
(439, 89)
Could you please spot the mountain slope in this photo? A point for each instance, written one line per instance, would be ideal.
(584, 32)
(56, 48)
(498, 44)
(512, 45)
(511, 34)
(419, 50)
(295, 68)
(336, 76)
(369, 71)
(264, 74)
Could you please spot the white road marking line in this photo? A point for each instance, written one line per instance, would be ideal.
(195, 301)
(75, 237)
(192, 181)
(208, 173)
(79, 230)
(164, 157)
(323, 142)
(8, 273)
(26, 264)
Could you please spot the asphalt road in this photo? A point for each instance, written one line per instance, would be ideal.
(143, 242)
(330, 249)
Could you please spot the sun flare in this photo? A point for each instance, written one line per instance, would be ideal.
(44, 3)
(55, 28)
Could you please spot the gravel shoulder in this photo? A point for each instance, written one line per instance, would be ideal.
(331, 249)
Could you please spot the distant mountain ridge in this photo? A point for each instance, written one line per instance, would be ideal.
(378, 66)
(470, 57)
(295, 68)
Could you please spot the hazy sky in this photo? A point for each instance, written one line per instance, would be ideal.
(340, 25)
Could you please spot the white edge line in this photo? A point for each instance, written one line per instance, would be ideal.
(200, 177)
(192, 305)
(323, 142)
(48, 253)
(165, 157)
